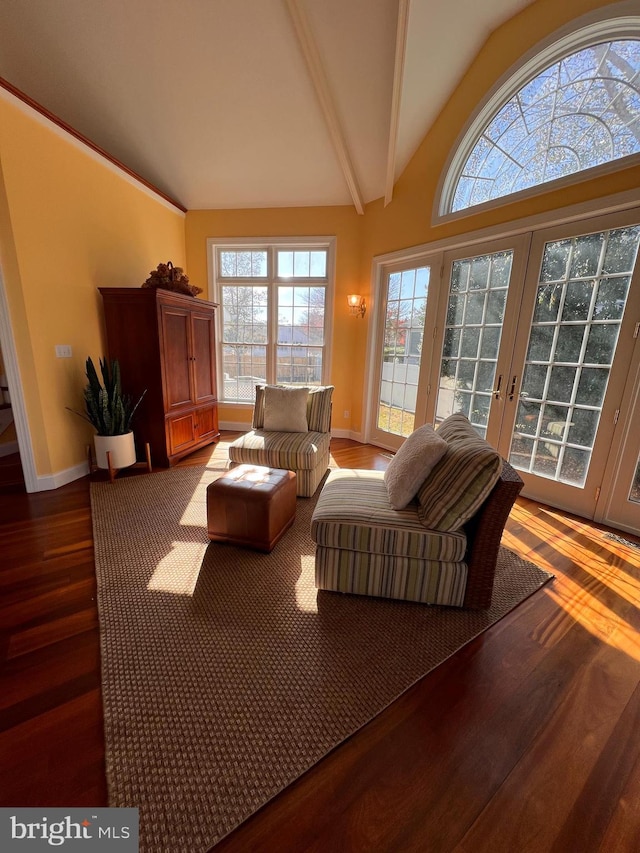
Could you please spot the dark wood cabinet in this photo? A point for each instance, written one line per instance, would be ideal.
(165, 342)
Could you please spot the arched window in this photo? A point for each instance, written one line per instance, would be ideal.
(578, 112)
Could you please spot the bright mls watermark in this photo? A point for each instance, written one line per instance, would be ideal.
(77, 829)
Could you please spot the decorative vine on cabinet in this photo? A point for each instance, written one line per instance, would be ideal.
(165, 342)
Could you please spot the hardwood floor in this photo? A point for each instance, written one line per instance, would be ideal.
(11, 476)
(525, 740)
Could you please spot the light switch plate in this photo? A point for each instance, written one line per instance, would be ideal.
(63, 351)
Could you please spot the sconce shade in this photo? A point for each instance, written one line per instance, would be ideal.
(357, 305)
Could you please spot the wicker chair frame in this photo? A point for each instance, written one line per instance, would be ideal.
(484, 532)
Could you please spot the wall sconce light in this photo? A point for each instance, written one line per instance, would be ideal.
(357, 305)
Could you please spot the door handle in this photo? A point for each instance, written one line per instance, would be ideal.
(512, 390)
(496, 390)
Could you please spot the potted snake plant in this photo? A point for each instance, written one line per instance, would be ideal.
(110, 412)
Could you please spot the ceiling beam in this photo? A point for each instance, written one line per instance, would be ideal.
(321, 85)
(398, 77)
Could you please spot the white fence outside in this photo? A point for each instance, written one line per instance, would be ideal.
(398, 388)
(399, 385)
(243, 388)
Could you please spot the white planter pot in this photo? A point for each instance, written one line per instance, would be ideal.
(122, 447)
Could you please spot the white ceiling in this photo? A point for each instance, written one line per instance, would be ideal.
(249, 103)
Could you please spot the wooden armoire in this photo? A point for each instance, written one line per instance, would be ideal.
(165, 343)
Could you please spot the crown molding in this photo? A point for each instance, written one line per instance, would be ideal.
(59, 123)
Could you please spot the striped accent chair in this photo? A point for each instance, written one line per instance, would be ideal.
(442, 548)
(306, 453)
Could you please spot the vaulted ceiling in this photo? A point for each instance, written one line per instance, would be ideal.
(249, 103)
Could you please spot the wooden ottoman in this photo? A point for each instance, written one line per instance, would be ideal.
(251, 505)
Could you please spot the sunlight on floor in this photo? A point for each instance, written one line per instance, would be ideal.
(603, 580)
(306, 592)
(195, 512)
(596, 617)
(178, 571)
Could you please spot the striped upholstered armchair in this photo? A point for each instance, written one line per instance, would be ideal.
(303, 449)
(437, 546)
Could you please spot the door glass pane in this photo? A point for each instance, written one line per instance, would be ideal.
(475, 313)
(403, 332)
(580, 301)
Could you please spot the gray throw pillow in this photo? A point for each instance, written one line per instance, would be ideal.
(412, 464)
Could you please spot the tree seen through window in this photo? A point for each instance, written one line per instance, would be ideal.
(578, 113)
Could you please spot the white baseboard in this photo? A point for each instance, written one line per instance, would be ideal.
(336, 433)
(8, 447)
(348, 433)
(61, 478)
(242, 426)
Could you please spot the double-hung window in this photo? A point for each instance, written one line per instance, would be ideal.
(274, 313)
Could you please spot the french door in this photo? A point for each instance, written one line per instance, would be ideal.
(572, 358)
(537, 352)
(619, 504)
(476, 328)
(533, 338)
(402, 347)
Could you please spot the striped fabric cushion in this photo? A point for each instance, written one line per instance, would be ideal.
(318, 407)
(462, 480)
(289, 450)
(308, 479)
(258, 408)
(391, 577)
(353, 513)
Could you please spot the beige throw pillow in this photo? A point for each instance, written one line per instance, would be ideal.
(285, 409)
(412, 464)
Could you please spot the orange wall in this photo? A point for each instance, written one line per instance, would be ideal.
(69, 223)
(407, 221)
(349, 333)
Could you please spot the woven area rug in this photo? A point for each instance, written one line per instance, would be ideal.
(225, 673)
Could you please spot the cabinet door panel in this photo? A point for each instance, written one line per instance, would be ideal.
(181, 432)
(206, 422)
(204, 372)
(175, 329)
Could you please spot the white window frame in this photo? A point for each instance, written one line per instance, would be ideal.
(552, 50)
(272, 245)
(582, 215)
